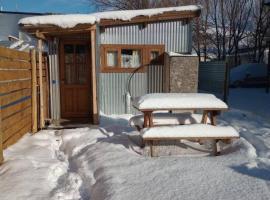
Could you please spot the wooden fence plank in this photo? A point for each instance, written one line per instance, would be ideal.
(14, 54)
(8, 122)
(7, 75)
(15, 108)
(43, 73)
(1, 140)
(14, 96)
(11, 64)
(34, 91)
(16, 85)
(42, 122)
(15, 137)
(16, 127)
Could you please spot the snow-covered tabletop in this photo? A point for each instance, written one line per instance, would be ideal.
(178, 101)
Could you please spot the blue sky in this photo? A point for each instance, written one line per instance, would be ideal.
(55, 6)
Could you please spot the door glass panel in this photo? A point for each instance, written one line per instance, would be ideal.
(80, 53)
(81, 64)
(70, 75)
(76, 66)
(69, 50)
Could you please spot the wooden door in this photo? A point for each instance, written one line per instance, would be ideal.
(75, 74)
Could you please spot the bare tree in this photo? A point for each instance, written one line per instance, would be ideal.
(227, 25)
(261, 20)
(135, 4)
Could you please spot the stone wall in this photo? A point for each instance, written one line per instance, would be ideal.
(181, 73)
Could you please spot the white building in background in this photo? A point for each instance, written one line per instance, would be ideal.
(9, 27)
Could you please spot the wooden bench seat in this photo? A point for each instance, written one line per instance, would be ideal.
(189, 132)
(161, 119)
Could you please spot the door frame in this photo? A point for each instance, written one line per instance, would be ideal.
(61, 67)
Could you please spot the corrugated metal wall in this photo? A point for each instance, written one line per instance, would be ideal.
(175, 35)
(212, 77)
(155, 79)
(113, 89)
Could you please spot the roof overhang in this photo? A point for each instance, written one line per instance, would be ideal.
(53, 30)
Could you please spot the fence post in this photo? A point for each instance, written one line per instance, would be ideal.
(93, 75)
(226, 82)
(34, 90)
(1, 135)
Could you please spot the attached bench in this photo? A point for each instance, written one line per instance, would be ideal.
(162, 119)
(189, 132)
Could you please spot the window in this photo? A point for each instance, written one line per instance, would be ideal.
(126, 58)
(130, 58)
(156, 56)
(112, 60)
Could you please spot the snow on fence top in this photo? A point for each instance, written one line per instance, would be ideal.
(167, 101)
(71, 20)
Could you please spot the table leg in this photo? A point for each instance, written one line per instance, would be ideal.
(145, 119)
(148, 119)
(150, 115)
(213, 117)
(214, 147)
(151, 144)
(204, 121)
(204, 117)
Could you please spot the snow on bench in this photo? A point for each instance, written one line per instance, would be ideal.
(170, 101)
(200, 131)
(161, 119)
(188, 132)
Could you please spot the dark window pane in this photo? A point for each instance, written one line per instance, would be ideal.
(80, 49)
(69, 49)
(154, 55)
(81, 53)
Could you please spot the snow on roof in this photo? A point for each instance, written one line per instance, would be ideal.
(71, 20)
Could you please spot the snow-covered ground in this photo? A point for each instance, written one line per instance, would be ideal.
(253, 100)
(103, 163)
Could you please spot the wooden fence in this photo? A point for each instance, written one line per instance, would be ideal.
(19, 96)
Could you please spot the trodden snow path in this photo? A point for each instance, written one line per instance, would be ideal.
(103, 163)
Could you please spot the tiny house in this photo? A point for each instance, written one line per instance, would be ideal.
(98, 61)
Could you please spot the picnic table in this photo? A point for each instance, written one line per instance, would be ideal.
(208, 103)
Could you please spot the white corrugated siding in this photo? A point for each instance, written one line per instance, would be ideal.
(175, 35)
